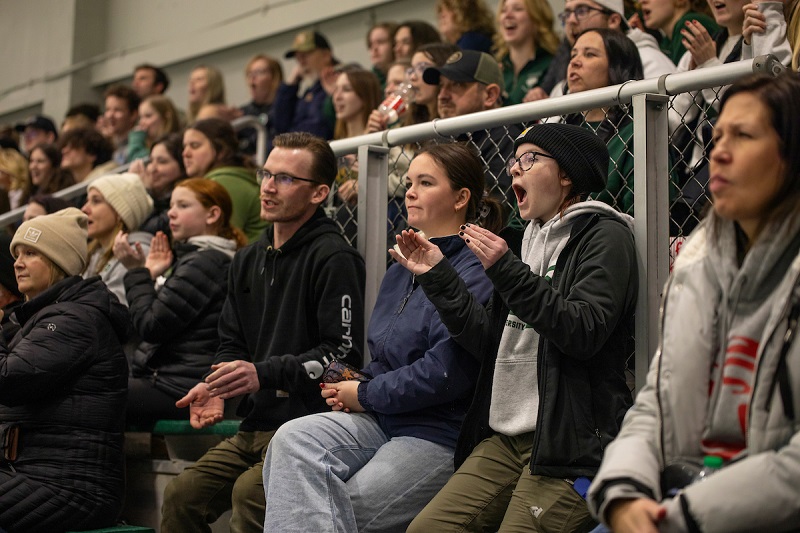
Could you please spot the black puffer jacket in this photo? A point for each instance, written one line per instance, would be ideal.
(178, 324)
(585, 324)
(63, 381)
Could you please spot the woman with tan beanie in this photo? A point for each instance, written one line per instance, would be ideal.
(63, 384)
(116, 203)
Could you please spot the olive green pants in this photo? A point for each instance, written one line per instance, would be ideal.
(494, 491)
(228, 476)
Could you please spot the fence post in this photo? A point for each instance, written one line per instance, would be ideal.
(373, 175)
(651, 205)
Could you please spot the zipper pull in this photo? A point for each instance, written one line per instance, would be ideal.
(403, 304)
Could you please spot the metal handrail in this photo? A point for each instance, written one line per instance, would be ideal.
(79, 189)
(669, 84)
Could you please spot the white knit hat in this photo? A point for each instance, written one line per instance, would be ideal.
(127, 195)
(61, 237)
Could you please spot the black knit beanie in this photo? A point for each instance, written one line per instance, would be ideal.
(581, 154)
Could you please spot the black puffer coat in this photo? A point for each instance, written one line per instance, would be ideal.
(178, 324)
(63, 381)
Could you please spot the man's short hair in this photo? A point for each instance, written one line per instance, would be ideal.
(160, 76)
(91, 141)
(125, 93)
(90, 111)
(323, 166)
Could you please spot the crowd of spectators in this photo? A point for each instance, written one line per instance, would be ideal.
(158, 248)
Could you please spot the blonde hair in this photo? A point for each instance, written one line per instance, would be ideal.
(215, 91)
(16, 165)
(793, 30)
(542, 17)
(164, 107)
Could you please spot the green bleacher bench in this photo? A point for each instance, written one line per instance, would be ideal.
(184, 443)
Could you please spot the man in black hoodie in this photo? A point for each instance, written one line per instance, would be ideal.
(295, 302)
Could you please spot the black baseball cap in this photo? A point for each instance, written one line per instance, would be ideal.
(40, 122)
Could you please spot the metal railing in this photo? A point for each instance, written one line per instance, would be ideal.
(648, 103)
(79, 189)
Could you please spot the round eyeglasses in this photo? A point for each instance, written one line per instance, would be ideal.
(281, 178)
(525, 161)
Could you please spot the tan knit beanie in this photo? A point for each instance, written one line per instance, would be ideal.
(61, 237)
(127, 195)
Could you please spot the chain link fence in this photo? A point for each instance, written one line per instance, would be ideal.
(679, 127)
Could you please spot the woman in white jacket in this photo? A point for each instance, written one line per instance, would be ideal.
(725, 380)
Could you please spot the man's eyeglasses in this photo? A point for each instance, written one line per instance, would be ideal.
(581, 12)
(281, 179)
(525, 161)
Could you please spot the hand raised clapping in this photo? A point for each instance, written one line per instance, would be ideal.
(160, 257)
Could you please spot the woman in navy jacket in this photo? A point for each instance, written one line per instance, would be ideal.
(387, 447)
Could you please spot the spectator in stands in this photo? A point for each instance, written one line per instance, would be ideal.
(299, 103)
(211, 150)
(387, 447)
(43, 204)
(35, 130)
(381, 49)
(206, 86)
(9, 137)
(747, 32)
(552, 343)
(157, 117)
(14, 180)
(121, 115)
(117, 203)
(46, 174)
(467, 24)
(603, 57)
(469, 82)
(263, 75)
(412, 34)
(581, 15)
(86, 153)
(81, 116)
(395, 75)
(524, 43)
(62, 388)
(149, 80)
(164, 170)
(300, 272)
(669, 17)
(724, 380)
(175, 297)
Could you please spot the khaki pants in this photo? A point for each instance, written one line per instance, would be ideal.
(494, 491)
(228, 476)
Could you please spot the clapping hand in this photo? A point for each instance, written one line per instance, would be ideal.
(129, 256)
(417, 254)
(160, 257)
(487, 246)
(204, 409)
(699, 43)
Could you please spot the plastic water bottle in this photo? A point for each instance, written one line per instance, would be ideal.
(396, 104)
(711, 463)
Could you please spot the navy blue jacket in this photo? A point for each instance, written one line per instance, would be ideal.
(423, 380)
(293, 113)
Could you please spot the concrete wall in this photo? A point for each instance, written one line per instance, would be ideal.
(61, 52)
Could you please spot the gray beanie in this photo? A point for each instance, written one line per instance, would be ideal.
(127, 195)
(581, 154)
(61, 237)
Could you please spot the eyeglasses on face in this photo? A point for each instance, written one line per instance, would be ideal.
(581, 12)
(281, 178)
(418, 69)
(525, 161)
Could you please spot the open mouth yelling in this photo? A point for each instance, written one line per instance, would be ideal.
(520, 193)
